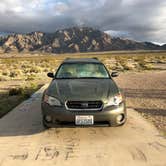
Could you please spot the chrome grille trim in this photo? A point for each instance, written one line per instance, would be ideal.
(85, 109)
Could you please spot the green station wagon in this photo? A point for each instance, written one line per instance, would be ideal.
(82, 92)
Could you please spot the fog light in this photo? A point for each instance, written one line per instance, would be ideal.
(48, 118)
(120, 118)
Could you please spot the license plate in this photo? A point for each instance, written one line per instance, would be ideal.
(84, 120)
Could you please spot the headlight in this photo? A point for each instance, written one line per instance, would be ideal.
(51, 101)
(116, 100)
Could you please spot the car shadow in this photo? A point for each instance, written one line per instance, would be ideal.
(25, 119)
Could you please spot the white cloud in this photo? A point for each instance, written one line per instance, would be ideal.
(139, 19)
(123, 34)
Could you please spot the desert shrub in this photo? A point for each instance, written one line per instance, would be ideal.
(15, 91)
(119, 67)
(148, 66)
(13, 74)
(161, 60)
(141, 61)
(6, 73)
(23, 66)
(25, 92)
(45, 65)
(111, 67)
(35, 69)
(46, 70)
(26, 70)
(19, 72)
(30, 77)
(15, 66)
(44, 61)
(128, 65)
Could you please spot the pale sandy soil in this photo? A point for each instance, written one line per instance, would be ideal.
(146, 93)
(23, 141)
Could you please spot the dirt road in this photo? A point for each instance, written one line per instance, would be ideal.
(23, 141)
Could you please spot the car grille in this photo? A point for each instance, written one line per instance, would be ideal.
(84, 105)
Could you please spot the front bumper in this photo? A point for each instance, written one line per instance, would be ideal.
(61, 114)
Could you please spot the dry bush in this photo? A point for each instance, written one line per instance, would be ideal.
(30, 77)
(13, 74)
(35, 69)
(24, 91)
(15, 91)
(6, 72)
(148, 66)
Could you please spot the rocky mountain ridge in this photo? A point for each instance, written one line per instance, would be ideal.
(71, 40)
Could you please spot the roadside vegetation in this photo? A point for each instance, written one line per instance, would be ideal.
(11, 97)
(32, 66)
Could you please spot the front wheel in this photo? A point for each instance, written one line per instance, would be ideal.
(116, 124)
(44, 124)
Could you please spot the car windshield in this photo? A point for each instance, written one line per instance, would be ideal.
(82, 70)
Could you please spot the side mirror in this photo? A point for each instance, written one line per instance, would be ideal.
(51, 75)
(114, 74)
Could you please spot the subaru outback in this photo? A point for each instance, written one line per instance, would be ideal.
(82, 92)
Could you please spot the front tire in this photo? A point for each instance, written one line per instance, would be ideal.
(44, 124)
(117, 125)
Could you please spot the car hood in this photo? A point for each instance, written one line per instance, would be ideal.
(82, 89)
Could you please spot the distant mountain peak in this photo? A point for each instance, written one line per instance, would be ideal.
(76, 39)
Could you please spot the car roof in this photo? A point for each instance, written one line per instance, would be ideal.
(81, 60)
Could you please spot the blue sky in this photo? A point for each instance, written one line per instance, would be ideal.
(143, 20)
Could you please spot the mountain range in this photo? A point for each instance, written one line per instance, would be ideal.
(71, 40)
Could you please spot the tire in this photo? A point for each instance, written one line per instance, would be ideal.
(122, 124)
(45, 125)
(117, 125)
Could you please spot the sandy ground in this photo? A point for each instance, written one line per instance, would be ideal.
(23, 141)
(146, 93)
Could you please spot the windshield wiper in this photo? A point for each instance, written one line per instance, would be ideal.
(88, 77)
